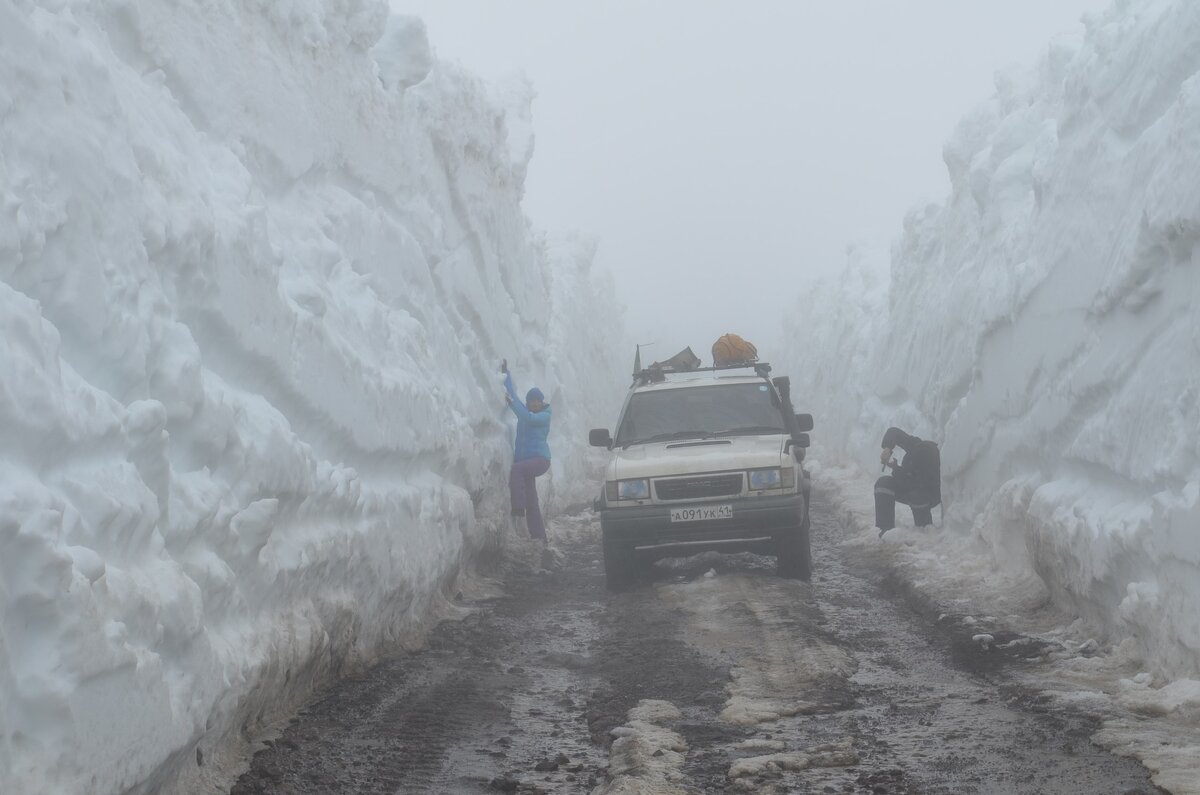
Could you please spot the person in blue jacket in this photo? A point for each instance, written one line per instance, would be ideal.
(531, 458)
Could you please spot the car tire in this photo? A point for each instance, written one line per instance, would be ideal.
(794, 552)
(620, 564)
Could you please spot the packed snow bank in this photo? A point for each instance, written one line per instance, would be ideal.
(1042, 326)
(258, 266)
(954, 573)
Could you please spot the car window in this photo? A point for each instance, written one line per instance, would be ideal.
(702, 411)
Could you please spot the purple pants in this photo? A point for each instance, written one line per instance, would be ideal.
(522, 486)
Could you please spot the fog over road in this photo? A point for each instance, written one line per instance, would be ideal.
(716, 676)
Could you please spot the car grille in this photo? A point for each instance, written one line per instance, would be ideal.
(700, 486)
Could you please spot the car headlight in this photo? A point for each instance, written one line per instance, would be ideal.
(633, 489)
(761, 479)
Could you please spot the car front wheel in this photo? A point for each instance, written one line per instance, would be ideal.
(794, 552)
(620, 565)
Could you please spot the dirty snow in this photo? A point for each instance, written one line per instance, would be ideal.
(774, 671)
(1156, 723)
(258, 266)
(647, 757)
(771, 765)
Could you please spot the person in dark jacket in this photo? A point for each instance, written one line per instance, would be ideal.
(917, 482)
(531, 458)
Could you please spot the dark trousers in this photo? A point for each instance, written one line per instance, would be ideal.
(887, 494)
(522, 487)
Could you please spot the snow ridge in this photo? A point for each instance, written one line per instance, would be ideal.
(259, 263)
(1041, 325)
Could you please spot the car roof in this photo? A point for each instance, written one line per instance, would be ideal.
(686, 380)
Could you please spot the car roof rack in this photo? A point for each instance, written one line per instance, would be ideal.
(656, 375)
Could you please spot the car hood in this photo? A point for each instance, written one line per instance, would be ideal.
(692, 456)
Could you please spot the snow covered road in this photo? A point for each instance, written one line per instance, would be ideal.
(715, 677)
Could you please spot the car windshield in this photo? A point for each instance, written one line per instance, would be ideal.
(699, 412)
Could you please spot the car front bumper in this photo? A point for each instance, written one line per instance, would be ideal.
(756, 523)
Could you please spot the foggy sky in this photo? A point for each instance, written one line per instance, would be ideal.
(724, 154)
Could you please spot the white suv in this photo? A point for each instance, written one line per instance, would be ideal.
(708, 459)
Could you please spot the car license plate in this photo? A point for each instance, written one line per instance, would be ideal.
(701, 513)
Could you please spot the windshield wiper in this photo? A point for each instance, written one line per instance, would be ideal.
(750, 429)
(666, 437)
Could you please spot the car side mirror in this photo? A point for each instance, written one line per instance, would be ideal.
(804, 423)
(600, 437)
(799, 440)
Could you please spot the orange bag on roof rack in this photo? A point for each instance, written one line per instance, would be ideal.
(732, 349)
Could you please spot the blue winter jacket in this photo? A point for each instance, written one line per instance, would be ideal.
(532, 428)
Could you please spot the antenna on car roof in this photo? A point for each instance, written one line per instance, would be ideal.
(637, 357)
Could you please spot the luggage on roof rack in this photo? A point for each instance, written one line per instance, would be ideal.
(682, 362)
(732, 349)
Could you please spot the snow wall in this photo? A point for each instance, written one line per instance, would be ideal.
(1043, 325)
(259, 262)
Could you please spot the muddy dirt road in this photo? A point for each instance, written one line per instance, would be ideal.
(714, 677)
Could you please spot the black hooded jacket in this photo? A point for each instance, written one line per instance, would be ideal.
(919, 478)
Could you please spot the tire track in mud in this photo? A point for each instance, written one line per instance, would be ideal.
(715, 676)
(493, 703)
(385, 731)
(767, 630)
(840, 686)
(911, 713)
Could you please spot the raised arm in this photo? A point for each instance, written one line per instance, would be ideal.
(508, 387)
